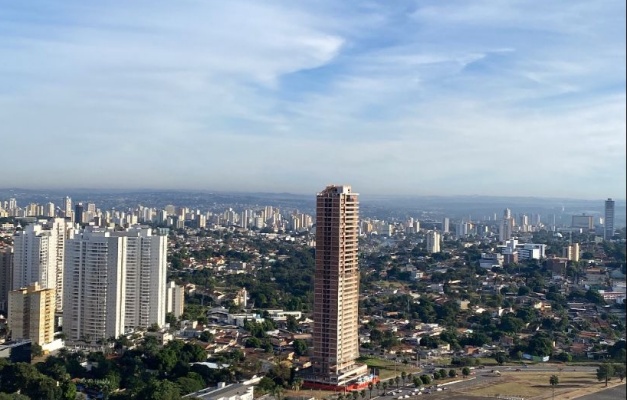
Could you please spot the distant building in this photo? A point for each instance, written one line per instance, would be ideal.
(609, 219)
(507, 226)
(525, 251)
(31, 314)
(571, 252)
(6, 276)
(463, 229)
(241, 298)
(582, 221)
(433, 242)
(490, 260)
(445, 225)
(39, 252)
(175, 299)
(79, 213)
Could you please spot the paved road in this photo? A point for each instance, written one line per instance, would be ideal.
(617, 392)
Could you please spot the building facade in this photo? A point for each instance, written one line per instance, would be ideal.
(114, 281)
(571, 252)
(31, 314)
(336, 288)
(608, 230)
(175, 298)
(39, 257)
(433, 242)
(582, 221)
(6, 276)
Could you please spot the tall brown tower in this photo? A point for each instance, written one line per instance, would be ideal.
(336, 288)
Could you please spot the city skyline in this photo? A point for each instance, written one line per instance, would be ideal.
(428, 98)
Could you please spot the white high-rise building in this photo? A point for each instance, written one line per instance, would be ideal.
(175, 298)
(433, 242)
(68, 208)
(145, 277)
(507, 226)
(59, 229)
(49, 210)
(445, 225)
(114, 281)
(38, 257)
(93, 304)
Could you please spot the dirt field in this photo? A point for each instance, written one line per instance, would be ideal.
(535, 385)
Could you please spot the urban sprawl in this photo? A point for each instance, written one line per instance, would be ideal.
(263, 302)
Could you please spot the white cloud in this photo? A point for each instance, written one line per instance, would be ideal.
(447, 98)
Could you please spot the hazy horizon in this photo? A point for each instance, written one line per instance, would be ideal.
(62, 190)
(494, 98)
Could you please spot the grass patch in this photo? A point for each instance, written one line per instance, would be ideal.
(533, 384)
(387, 368)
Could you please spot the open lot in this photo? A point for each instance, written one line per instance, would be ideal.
(535, 385)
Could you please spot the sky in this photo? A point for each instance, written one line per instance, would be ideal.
(426, 97)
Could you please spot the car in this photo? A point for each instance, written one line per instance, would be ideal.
(525, 366)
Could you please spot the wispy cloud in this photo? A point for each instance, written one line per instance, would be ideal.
(438, 97)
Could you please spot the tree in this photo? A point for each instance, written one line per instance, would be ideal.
(385, 387)
(69, 390)
(160, 390)
(266, 384)
(564, 357)
(292, 324)
(403, 376)
(36, 350)
(300, 347)
(452, 373)
(500, 358)
(540, 345)
(619, 371)
(465, 372)
(554, 381)
(605, 372)
(206, 337)
(193, 382)
(277, 392)
(417, 382)
(297, 383)
(426, 379)
(397, 380)
(442, 373)
(13, 396)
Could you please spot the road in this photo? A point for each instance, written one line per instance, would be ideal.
(614, 393)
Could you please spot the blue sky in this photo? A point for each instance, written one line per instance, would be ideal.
(438, 97)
